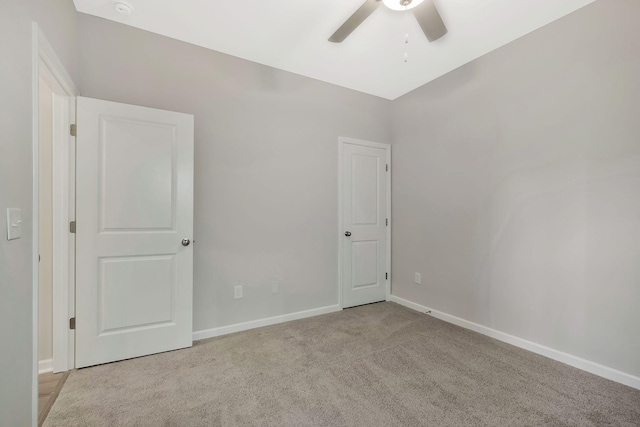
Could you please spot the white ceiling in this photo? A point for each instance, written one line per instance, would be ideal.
(292, 35)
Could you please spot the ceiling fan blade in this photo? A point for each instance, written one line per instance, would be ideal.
(354, 20)
(429, 19)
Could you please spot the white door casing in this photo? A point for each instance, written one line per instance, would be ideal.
(64, 152)
(134, 206)
(46, 64)
(364, 218)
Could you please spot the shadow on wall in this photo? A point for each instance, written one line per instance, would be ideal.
(576, 225)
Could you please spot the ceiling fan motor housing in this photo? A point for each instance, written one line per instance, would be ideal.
(427, 16)
(401, 5)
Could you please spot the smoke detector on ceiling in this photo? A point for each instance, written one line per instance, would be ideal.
(123, 7)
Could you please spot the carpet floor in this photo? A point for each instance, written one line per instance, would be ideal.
(375, 365)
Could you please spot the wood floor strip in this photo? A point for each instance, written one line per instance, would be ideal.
(49, 386)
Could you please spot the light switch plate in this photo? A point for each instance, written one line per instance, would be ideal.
(14, 223)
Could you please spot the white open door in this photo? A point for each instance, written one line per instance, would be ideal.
(365, 222)
(134, 207)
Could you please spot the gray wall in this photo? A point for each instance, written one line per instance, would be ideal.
(57, 19)
(516, 179)
(516, 188)
(266, 157)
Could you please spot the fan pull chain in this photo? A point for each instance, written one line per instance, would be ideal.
(406, 33)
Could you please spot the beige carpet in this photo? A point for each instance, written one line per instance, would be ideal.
(376, 365)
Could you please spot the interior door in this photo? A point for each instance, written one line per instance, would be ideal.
(134, 207)
(365, 221)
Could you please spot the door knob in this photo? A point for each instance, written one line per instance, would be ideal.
(347, 233)
(185, 242)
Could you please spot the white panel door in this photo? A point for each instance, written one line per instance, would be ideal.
(134, 207)
(364, 220)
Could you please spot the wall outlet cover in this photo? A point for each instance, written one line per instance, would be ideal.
(275, 287)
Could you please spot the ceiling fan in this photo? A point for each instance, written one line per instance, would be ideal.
(425, 12)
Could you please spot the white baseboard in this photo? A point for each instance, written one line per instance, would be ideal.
(569, 359)
(224, 330)
(45, 366)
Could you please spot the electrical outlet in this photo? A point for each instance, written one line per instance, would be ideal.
(237, 292)
(275, 287)
(418, 278)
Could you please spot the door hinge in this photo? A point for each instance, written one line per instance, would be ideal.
(386, 276)
(72, 323)
(387, 167)
(72, 130)
(72, 227)
(387, 222)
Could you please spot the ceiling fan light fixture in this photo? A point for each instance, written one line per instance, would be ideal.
(401, 4)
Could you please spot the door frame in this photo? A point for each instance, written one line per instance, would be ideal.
(46, 64)
(342, 141)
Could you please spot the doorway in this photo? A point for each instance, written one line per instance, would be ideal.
(135, 226)
(365, 222)
(52, 267)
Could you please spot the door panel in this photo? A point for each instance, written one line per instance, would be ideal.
(134, 207)
(364, 214)
(126, 303)
(364, 261)
(364, 172)
(149, 202)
